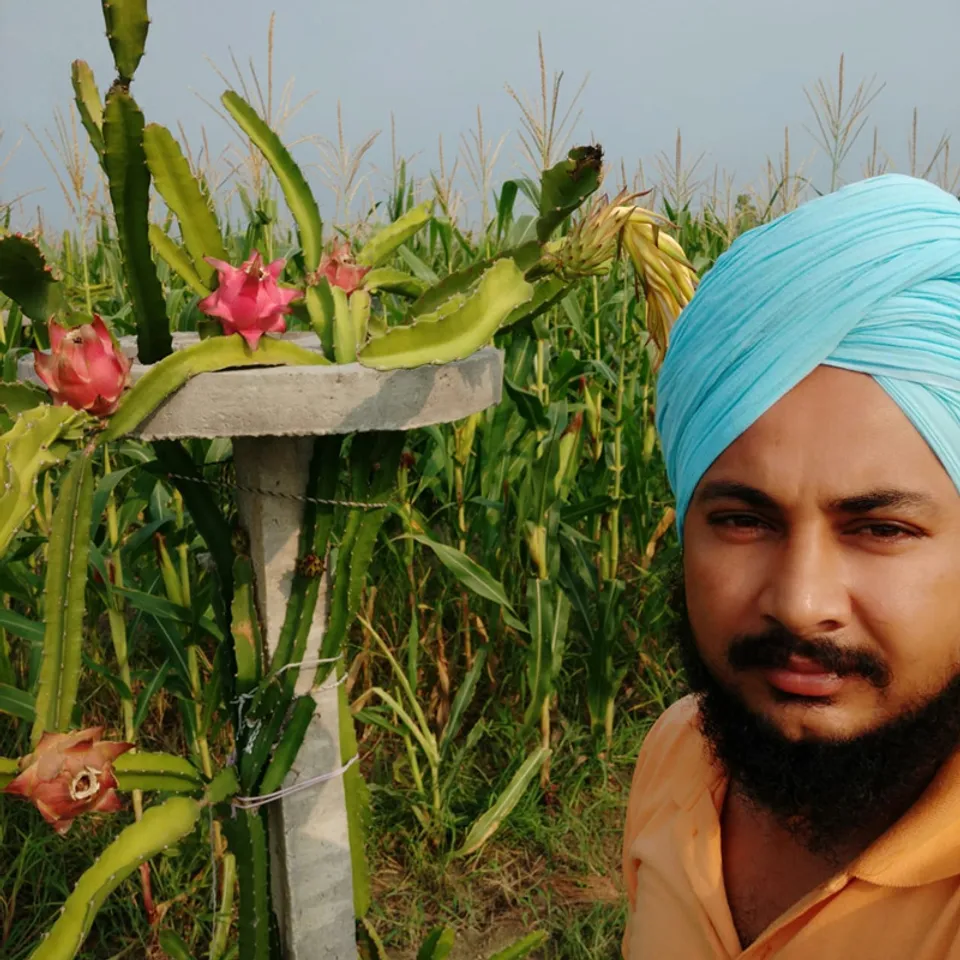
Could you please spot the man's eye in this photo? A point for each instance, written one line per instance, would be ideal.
(885, 531)
(740, 521)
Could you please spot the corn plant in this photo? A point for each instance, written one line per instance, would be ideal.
(215, 658)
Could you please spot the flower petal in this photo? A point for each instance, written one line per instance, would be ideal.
(56, 334)
(46, 366)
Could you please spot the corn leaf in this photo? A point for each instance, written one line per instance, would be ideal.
(438, 944)
(173, 946)
(20, 626)
(488, 824)
(16, 702)
(523, 947)
(549, 615)
(463, 699)
(467, 571)
(157, 680)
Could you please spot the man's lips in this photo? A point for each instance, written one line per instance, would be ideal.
(804, 678)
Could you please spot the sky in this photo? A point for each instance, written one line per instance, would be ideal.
(729, 75)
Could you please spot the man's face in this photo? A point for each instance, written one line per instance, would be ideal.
(828, 529)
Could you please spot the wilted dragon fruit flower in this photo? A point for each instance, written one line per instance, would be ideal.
(341, 270)
(668, 278)
(70, 774)
(84, 368)
(248, 300)
(589, 248)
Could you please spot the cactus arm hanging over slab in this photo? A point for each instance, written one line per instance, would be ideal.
(217, 353)
(157, 771)
(160, 827)
(458, 334)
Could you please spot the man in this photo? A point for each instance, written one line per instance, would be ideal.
(804, 801)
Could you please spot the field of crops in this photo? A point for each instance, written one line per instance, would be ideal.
(498, 707)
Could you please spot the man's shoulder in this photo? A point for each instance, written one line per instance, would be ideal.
(672, 762)
(677, 726)
(672, 749)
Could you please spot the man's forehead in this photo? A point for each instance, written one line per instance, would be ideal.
(834, 437)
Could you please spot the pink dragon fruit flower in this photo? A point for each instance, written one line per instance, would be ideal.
(70, 774)
(84, 368)
(341, 270)
(248, 299)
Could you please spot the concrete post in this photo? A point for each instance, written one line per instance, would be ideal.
(311, 875)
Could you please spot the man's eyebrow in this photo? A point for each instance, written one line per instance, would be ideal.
(879, 500)
(866, 502)
(732, 490)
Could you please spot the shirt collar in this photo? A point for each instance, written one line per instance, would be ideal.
(923, 846)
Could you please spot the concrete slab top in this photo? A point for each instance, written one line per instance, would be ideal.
(309, 401)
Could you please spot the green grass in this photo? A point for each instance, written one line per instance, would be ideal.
(38, 869)
(553, 866)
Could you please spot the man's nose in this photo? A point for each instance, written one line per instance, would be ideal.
(804, 588)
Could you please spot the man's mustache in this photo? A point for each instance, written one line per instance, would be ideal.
(775, 647)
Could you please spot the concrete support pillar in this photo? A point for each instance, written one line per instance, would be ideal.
(310, 850)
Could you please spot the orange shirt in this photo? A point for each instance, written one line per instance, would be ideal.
(900, 900)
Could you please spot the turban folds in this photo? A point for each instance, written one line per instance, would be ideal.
(866, 278)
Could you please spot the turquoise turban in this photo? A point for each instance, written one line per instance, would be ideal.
(866, 278)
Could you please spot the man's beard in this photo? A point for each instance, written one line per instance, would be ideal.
(827, 793)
